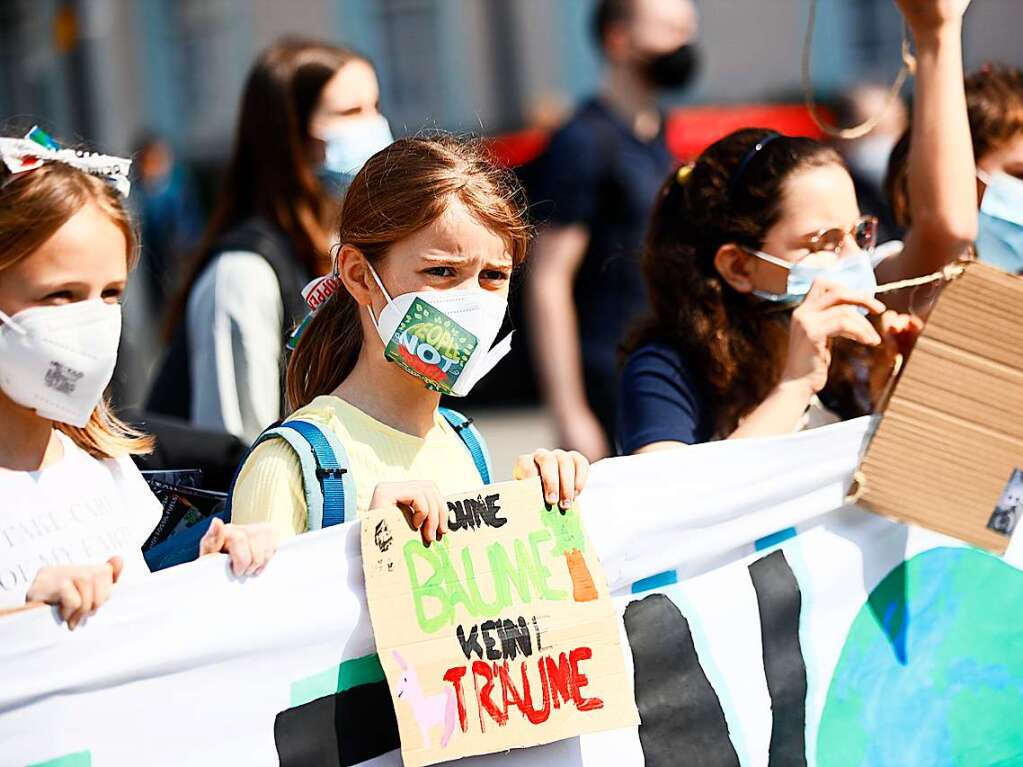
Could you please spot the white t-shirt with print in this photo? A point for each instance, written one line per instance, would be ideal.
(79, 511)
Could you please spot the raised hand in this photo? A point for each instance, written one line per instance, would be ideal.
(926, 15)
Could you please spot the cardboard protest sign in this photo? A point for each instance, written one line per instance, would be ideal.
(502, 635)
(948, 453)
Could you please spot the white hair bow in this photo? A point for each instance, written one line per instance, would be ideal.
(36, 148)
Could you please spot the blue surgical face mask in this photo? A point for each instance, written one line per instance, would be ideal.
(351, 143)
(854, 271)
(1000, 238)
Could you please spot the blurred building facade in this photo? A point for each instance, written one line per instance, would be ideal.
(108, 69)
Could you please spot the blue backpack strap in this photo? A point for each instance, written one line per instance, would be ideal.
(328, 487)
(472, 439)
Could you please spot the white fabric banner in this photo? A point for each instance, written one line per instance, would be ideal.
(859, 641)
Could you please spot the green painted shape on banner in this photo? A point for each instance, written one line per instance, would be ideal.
(77, 759)
(351, 673)
(931, 671)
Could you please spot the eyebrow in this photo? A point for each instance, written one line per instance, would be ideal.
(56, 287)
(453, 258)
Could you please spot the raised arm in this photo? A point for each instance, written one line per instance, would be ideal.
(942, 173)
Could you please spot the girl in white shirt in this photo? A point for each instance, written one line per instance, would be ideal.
(74, 510)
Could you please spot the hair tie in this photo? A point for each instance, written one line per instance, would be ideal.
(21, 155)
(683, 173)
(747, 158)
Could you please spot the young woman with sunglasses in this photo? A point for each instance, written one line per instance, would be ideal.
(760, 269)
(756, 258)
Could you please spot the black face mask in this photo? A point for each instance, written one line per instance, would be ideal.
(674, 69)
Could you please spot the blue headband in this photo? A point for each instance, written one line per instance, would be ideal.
(747, 158)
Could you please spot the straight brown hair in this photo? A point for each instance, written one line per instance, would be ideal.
(269, 174)
(402, 189)
(33, 206)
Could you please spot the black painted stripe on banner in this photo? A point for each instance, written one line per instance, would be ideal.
(682, 719)
(780, 601)
(341, 729)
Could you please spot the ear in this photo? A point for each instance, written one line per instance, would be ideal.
(353, 271)
(736, 267)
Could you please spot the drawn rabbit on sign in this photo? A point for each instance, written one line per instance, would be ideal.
(428, 710)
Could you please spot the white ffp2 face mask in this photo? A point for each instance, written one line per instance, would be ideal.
(57, 360)
(443, 337)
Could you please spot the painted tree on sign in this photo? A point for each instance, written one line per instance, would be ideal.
(570, 542)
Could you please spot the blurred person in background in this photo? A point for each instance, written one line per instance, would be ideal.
(867, 156)
(309, 119)
(169, 213)
(994, 105)
(602, 171)
(167, 210)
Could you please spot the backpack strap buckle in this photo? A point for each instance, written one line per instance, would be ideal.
(465, 424)
(330, 473)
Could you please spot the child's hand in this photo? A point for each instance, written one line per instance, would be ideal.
(249, 547)
(563, 473)
(76, 590)
(420, 501)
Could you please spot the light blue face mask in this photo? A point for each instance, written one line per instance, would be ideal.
(855, 272)
(350, 144)
(1000, 237)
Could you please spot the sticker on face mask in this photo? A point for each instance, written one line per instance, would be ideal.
(431, 346)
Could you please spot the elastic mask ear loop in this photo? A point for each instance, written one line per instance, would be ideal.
(787, 266)
(376, 278)
(12, 324)
(772, 307)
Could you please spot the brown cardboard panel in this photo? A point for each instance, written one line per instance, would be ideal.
(981, 313)
(953, 431)
(502, 635)
(964, 385)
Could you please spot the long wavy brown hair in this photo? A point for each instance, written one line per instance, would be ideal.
(731, 342)
(33, 206)
(400, 190)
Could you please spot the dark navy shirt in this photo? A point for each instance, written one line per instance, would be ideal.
(596, 172)
(660, 401)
